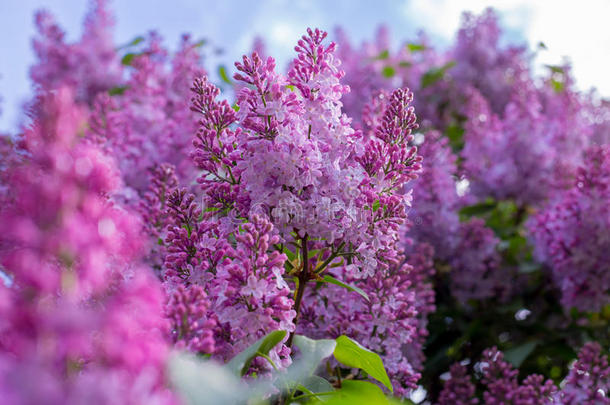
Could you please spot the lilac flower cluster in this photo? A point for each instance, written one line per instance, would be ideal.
(587, 383)
(286, 151)
(81, 320)
(301, 186)
(247, 296)
(138, 103)
(570, 235)
(295, 158)
(148, 122)
(89, 66)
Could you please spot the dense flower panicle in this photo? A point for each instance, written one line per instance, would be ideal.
(587, 383)
(148, 122)
(483, 64)
(434, 215)
(153, 210)
(459, 389)
(89, 66)
(191, 328)
(244, 283)
(589, 378)
(392, 322)
(421, 257)
(509, 156)
(384, 324)
(476, 272)
(570, 234)
(79, 308)
(295, 158)
(214, 145)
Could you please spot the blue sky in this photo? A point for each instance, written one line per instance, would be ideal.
(579, 31)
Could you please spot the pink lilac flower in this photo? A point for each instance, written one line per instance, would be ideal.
(80, 318)
(588, 382)
(188, 311)
(295, 157)
(89, 66)
(243, 281)
(570, 235)
(476, 271)
(589, 378)
(288, 152)
(153, 210)
(459, 389)
(149, 122)
(482, 63)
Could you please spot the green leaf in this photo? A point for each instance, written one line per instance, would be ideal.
(478, 209)
(383, 55)
(388, 71)
(351, 354)
(128, 58)
(542, 45)
(222, 71)
(137, 40)
(376, 205)
(240, 364)
(235, 107)
(117, 91)
(330, 279)
(316, 384)
(455, 133)
(358, 392)
(557, 85)
(416, 47)
(518, 354)
(313, 352)
(290, 87)
(555, 68)
(204, 382)
(435, 74)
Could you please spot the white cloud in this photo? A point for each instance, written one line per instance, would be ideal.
(578, 30)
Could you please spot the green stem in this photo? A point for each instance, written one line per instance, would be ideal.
(330, 258)
(264, 356)
(303, 279)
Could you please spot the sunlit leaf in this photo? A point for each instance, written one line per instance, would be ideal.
(222, 72)
(388, 71)
(351, 354)
(416, 47)
(128, 58)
